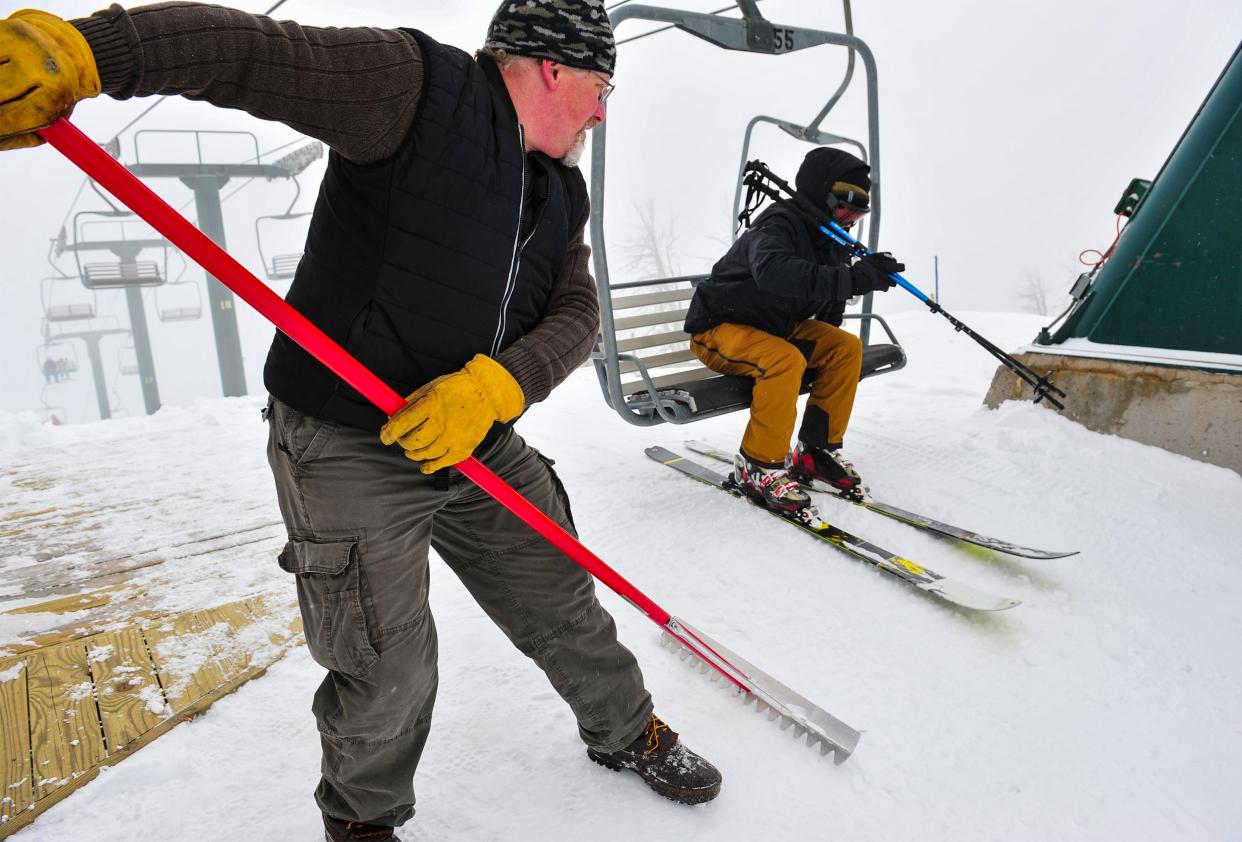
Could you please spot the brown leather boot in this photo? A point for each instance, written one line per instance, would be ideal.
(665, 764)
(335, 830)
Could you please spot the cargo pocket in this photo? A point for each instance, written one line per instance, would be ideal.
(328, 594)
(561, 493)
(299, 436)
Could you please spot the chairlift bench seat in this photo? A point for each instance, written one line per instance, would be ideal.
(180, 314)
(121, 275)
(284, 266)
(649, 374)
(70, 312)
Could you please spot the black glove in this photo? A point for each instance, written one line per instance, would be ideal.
(871, 274)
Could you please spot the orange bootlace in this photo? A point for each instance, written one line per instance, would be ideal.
(654, 729)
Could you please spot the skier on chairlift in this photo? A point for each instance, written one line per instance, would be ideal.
(772, 311)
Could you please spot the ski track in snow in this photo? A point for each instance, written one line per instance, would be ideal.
(1103, 707)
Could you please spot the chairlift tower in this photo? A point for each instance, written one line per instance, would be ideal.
(206, 180)
(91, 337)
(128, 274)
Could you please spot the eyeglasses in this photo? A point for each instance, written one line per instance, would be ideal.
(608, 88)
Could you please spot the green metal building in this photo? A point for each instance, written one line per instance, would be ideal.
(1152, 348)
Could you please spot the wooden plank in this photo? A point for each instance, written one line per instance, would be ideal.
(131, 701)
(50, 710)
(52, 582)
(184, 659)
(229, 655)
(260, 609)
(76, 630)
(31, 514)
(16, 780)
(648, 299)
(658, 360)
(65, 732)
(29, 815)
(74, 602)
(651, 340)
(660, 317)
(669, 381)
(197, 651)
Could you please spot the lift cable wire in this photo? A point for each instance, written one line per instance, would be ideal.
(116, 139)
(161, 100)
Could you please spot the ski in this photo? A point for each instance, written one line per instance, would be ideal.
(811, 523)
(909, 518)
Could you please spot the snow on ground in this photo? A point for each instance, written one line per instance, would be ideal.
(1104, 707)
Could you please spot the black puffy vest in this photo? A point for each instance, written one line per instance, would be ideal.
(409, 261)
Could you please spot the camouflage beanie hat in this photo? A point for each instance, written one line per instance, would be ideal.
(572, 32)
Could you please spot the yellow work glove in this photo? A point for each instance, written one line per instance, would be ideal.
(46, 66)
(443, 422)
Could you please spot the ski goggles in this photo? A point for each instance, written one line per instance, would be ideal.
(848, 203)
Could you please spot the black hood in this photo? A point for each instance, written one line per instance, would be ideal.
(824, 166)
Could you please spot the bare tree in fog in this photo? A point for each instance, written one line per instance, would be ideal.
(649, 253)
(1033, 296)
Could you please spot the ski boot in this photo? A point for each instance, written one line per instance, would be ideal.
(809, 464)
(772, 487)
(664, 763)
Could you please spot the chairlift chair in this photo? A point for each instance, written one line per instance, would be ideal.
(178, 301)
(646, 370)
(65, 299)
(60, 354)
(127, 271)
(47, 411)
(658, 376)
(284, 266)
(127, 360)
(54, 415)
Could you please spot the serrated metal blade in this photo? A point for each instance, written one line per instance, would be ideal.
(768, 694)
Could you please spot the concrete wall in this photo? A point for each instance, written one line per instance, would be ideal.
(1194, 413)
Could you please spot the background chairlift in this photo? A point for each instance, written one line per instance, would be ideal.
(127, 271)
(643, 360)
(50, 413)
(281, 267)
(178, 300)
(57, 360)
(127, 360)
(54, 415)
(65, 299)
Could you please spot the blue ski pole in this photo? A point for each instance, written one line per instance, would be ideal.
(757, 176)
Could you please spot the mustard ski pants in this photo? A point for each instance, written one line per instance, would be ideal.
(833, 355)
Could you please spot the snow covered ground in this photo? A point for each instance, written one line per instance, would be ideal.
(1105, 707)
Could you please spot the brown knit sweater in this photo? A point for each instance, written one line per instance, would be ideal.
(355, 89)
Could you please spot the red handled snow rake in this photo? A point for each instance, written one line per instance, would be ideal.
(807, 719)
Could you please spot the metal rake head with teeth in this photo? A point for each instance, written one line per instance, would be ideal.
(795, 713)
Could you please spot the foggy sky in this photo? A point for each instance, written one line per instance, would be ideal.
(1008, 131)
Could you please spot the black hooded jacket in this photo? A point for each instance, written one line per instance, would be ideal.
(784, 270)
(779, 273)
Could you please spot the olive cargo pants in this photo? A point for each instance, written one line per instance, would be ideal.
(361, 518)
(777, 366)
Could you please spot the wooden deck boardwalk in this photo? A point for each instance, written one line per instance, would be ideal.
(69, 708)
(98, 655)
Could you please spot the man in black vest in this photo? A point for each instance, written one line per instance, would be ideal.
(446, 252)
